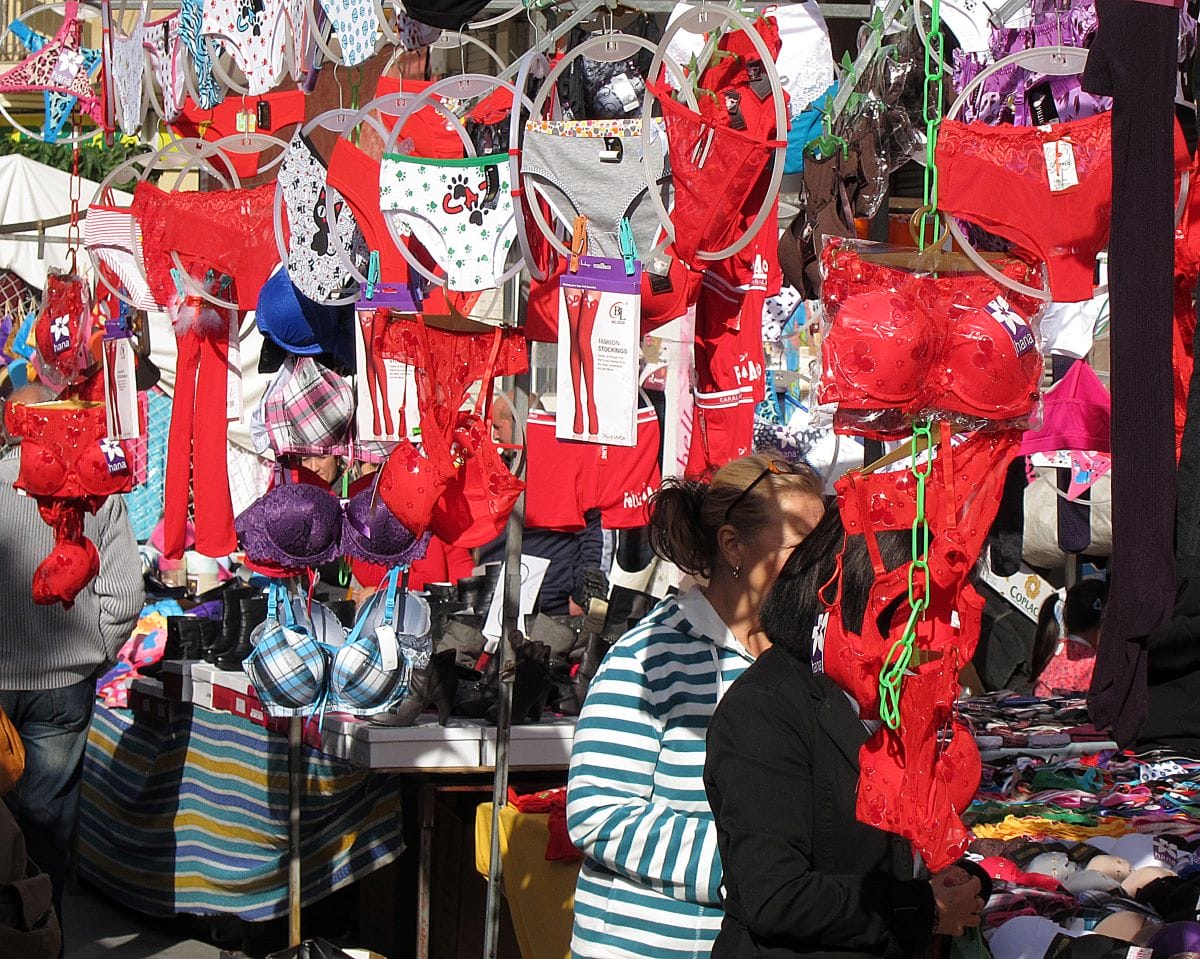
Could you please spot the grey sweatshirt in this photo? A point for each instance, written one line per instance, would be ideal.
(48, 647)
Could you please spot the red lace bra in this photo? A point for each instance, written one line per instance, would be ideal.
(952, 344)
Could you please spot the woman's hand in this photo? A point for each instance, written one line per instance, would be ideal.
(958, 900)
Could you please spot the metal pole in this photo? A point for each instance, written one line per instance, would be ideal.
(295, 775)
(425, 811)
(509, 631)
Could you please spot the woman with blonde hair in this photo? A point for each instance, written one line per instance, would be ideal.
(650, 884)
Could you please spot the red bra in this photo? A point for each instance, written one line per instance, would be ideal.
(456, 484)
(952, 344)
(911, 782)
(64, 452)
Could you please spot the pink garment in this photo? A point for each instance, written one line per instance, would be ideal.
(1076, 414)
(1070, 668)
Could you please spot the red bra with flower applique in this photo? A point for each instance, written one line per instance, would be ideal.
(954, 343)
(65, 453)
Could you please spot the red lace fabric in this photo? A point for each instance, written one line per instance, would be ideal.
(912, 782)
(229, 231)
(955, 343)
(997, 176)
(1187, 270)
(68, 466)
(714, 169)
(456, 485)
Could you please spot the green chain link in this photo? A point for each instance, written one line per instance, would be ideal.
(900, 656)
(933, 103)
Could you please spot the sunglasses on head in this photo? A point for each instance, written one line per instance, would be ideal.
(773, 468)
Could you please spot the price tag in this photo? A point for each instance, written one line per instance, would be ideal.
(67, 68)
(389, 651)
(1060, 165)
(120, 390)
(246, 122)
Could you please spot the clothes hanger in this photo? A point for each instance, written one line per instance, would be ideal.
(391, 104)
(238, 143)
(607, 48)
(697, 20)
(320, 35)
(457, 40)
(1050, 61)
(464, 87)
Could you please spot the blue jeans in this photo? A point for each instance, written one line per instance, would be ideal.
(53, 724)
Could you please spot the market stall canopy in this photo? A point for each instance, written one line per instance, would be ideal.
(32, 191)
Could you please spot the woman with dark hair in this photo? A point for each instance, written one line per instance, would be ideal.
(1066, 663)
(650, 881)
(803, 877)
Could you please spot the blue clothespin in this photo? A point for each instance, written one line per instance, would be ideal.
(629, 250)
(180, 288)
(372, 274)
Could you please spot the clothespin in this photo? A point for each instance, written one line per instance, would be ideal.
(180, 287)
(578, 242)
(372, 274)
(629, 250)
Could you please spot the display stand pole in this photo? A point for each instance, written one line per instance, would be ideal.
(510, 629)
(295, 775)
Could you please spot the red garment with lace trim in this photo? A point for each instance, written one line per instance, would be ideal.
(912, 782)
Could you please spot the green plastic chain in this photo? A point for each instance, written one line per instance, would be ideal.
(900, 656)
(933, 103)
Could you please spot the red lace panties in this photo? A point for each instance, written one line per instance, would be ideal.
(999, 178)
(913, 781)
(229, 231)
(67, 465)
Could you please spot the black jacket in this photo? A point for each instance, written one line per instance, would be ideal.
(802, 876)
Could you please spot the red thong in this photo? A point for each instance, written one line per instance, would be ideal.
(231, 231)
(997, 177)
(286, 106)
(911, 783)
(68, 466)
(910, 342)
(41, 70)
(714, 168)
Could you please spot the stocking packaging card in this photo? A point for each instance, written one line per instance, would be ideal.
(599, 310)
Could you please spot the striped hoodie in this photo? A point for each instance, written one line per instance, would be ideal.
(650, 883)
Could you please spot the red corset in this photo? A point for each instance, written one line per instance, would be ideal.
(68, 465)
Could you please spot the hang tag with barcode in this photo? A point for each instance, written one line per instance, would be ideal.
(623, 89)
(120, 390)
(389, 652)
(1060, 165)
(233, 381)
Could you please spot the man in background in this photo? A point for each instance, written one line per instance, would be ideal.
(50, 656)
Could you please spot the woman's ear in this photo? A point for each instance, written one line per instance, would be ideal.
(730, 546)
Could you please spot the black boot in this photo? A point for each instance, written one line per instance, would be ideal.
(434, 684)
(252, 612)
(531, 684)
(231, 621)
(597, 647)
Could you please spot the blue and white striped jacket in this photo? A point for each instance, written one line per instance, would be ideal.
(650, 883)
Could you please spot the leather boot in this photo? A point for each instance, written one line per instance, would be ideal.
(435, 684)
(231, 621)
(252, 611)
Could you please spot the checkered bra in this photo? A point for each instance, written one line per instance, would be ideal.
(390, 639)
(288, 666)
(308, 410)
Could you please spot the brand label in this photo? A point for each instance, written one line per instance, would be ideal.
(1060, 165)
